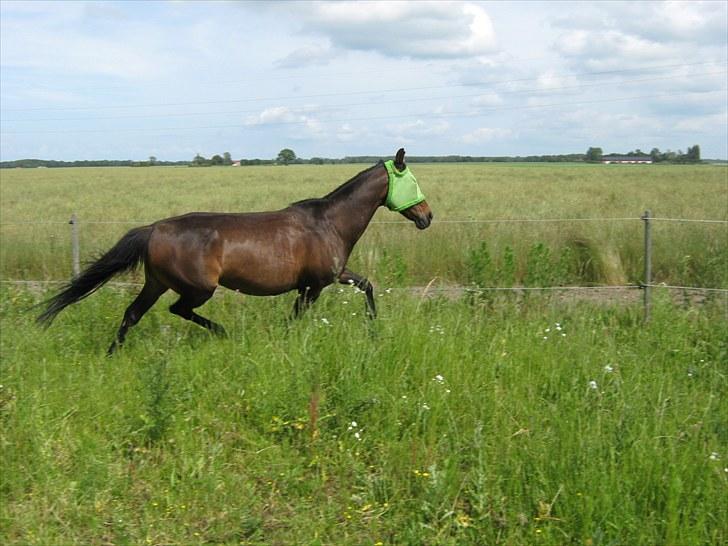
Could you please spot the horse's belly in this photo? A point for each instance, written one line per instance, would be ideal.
(256, 287)
(263, 272)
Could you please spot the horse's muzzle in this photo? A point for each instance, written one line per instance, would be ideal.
(423, 222)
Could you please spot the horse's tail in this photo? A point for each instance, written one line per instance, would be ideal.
(123, 256)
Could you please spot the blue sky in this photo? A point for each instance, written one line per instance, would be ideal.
(128, 80)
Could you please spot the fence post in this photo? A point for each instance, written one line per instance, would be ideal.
(75, 247)
(646, 285)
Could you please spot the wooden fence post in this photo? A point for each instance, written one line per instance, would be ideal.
(75, 247)
(646, 285)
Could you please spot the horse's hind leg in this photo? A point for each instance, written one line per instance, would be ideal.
(349, 277)
(147, 297)
(188, 301)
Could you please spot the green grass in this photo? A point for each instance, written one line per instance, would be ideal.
(499, 419)
(577, 252)
(477, 423)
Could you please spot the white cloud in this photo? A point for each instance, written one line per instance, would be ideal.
(486, 134)
(403, 29)
(307, 55)
(304, 125)
(487, 99)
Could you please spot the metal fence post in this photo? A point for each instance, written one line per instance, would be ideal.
(646, 285)
(75, 247)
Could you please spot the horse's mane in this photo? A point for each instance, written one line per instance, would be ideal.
(341, 192)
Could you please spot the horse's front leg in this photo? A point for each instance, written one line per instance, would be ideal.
(349, 277)
(306, 296)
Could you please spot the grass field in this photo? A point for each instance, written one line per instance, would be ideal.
(445, 422)
(469, 420)
(485, 254)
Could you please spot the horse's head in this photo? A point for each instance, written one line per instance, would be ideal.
(404, 194)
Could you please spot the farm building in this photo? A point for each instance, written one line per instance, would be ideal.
(626, 159)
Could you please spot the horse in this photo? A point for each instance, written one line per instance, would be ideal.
(303, 247)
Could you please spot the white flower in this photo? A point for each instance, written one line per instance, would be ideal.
(425, 406)
(608, 368)
(714, 456)
(325, 321)
(357, 436)
(593, 385)
(439, 378)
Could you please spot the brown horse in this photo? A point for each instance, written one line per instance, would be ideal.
(303, 247)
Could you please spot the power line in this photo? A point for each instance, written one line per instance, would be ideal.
(353, 93)
(429, 115)
(353, 104)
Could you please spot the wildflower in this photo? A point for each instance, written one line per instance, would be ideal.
(425, 406)
(439, 379)
(357, 436)
(714, 456)
(325, 321)
(463, 520)
(608, 368)
(593, 385)
(352, 426)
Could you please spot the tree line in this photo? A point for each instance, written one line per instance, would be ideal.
(595, 155)
(288, 157)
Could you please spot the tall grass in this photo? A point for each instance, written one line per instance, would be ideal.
(598, 252)
(443, 422)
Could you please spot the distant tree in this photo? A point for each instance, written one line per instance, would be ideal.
(594, 154)
(655, 155)
(227, 159)
(199, 161)
(286, 156)
(217, 160)
(152, 160)
(693, 154)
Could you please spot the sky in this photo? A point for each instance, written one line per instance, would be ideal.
(131, 80)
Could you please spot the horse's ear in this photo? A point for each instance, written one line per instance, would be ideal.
(399, 159)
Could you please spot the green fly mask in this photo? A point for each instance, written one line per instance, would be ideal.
(404, 192)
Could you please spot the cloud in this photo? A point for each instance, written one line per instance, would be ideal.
(306, 125)
(618, 34)
(403, 29)
(487, 99)
(315, 54)
(486, 134)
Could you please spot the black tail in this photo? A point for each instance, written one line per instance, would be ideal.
(123, 256)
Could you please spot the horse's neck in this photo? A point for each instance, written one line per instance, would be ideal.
(351, 212)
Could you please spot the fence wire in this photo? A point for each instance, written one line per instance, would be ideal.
(403, 222)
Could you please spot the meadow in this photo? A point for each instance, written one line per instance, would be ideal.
(504, 254)
(468, 419)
